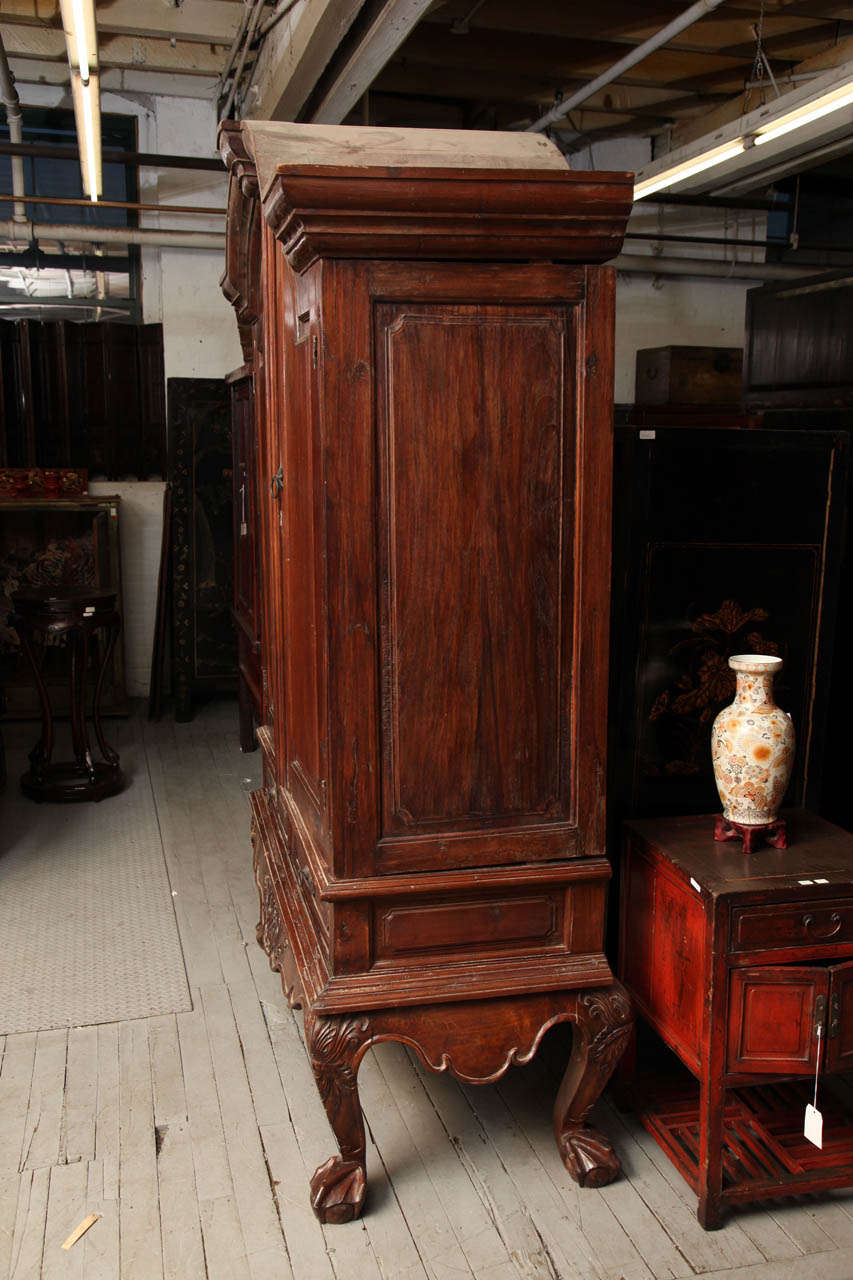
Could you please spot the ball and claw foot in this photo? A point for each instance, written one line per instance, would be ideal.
(337, 1190)
(589, 1157)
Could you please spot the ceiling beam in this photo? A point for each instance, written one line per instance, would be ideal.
(200, 21)
(737, 106)
(126, 52)
(295, 54)
(389, 27)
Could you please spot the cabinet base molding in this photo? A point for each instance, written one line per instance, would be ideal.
(475, 1040)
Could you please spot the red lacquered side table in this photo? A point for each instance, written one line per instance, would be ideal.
(77, 613)
(737, 961)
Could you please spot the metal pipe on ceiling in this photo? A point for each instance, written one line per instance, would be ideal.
(710, 268)
(142, 159)
(674, 28)
(149, 237)
(84, 202)
(14, 119)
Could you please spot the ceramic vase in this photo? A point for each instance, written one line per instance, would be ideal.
(752, 744)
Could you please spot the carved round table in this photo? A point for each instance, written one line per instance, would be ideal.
(77, 613)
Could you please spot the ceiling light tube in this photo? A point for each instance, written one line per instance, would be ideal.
(78, 20)
(88, 118)
(687, 168)
(828, 102)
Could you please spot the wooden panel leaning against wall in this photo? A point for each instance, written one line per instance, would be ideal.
(204, 653)
(83, 395)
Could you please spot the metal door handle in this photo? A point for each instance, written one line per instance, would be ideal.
(834, 923)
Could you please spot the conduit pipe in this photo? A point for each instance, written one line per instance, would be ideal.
(14, 119)
(674, 28)
(633, 263)
(647, 264)
(68, 233)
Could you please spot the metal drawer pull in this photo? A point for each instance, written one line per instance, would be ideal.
(834, 926)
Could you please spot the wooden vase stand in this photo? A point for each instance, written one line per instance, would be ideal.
(76, 614)
(477, 1041)
(753, 836)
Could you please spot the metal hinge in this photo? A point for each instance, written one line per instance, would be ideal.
(834, 1015)
(819, 1014)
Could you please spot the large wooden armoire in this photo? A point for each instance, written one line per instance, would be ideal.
(433, 359)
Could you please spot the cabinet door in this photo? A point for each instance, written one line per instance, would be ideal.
(839, 1043)
(772, 1015)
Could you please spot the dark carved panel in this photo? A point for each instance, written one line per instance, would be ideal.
(726, 541)
(83, 395)
(473, 665)
(204, 649)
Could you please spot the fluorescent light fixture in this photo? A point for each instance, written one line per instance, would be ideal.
(841, 97)
(78, 20)
(782, 116)
(687, 168)
(81, 38)
(88, 119)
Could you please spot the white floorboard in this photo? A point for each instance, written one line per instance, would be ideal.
(194, 1134)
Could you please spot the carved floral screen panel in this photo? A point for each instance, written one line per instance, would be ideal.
(727, 541)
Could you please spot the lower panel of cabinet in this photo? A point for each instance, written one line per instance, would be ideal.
(764, 1151)
(320, 932)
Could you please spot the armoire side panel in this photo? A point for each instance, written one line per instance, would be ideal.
(303, 551)
(472, 510)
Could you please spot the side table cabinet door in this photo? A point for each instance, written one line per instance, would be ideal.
(839, 1042)
(772, 1018)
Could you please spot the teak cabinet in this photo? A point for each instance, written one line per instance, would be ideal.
(737, 961)
(434, 360)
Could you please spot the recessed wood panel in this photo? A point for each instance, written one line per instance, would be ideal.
(772, 1019)
(677, 982)
(799, 924)
(403, 931)
(473, 551)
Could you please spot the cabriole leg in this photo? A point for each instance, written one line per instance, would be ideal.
(602, 1026)
(335, 1046)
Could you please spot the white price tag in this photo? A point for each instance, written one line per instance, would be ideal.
(813, 1127)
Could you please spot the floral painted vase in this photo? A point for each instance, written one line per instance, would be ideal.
(752, 744)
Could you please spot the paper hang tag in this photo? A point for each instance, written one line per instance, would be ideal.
(813, 1127)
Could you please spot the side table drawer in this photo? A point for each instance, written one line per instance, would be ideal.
(796, 924)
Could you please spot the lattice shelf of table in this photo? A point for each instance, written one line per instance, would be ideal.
(764, 1151)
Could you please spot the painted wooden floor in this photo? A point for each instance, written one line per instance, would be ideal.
(194, 1135)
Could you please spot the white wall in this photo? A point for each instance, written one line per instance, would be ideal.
(181, 286)
(662, 311)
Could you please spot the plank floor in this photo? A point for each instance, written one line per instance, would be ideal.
(193, 1135)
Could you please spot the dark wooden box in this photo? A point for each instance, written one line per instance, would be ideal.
(689, 375)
